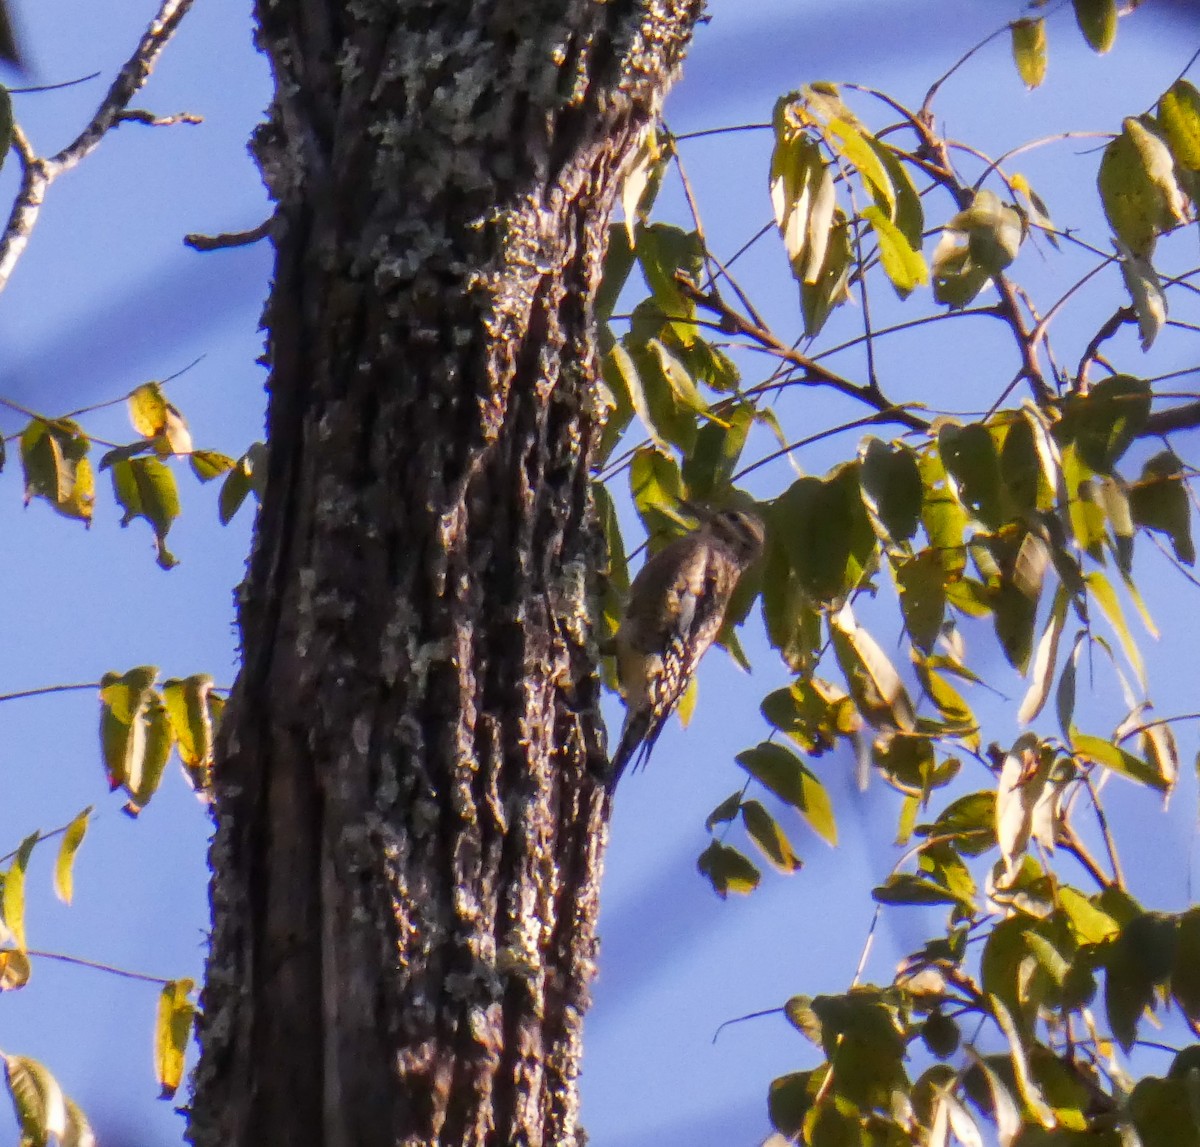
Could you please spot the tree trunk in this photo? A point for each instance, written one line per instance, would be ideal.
(410, 795)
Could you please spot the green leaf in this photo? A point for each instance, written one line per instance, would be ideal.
(12, 903)
(1158, 501)
(993, 231)
(38, 1102)
(921, 581)
(725, 811)
(891, 487)
(145, 488)
(907, 888)
(618, 262)
(778, 769)
(1029, 50)
(772, 841)
(727, 870)
(970, 457)
(1042, 675)
(1089, 923)
(209, 464)
(1014, 619)
(826, 532)
(657, 488)
(187, 708)
(172, 1030)
(849, 141)
(790, 1098)
(1106, 598)
(909, 214)
(15, 969)
(1097, 20)
(903, 264)
(1164, 1112)
(829, 287)
(664, 251)
(708, 469)
(940, 1035)
(874, 683)
(64, 865)
(1146, 292)
(1138, 187)
(135, 734)
(1140, 958)
(813, 713)
(54, 460)
(643, 177)
(1179, 118)
(1109, 756)
(148, 409)
(1185, 975)
(942, 515)
(1103, 424)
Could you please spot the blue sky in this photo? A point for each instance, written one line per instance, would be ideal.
(107, 297)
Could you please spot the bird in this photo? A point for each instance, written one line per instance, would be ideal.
(677, 605)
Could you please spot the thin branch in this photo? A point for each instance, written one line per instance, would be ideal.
(1109, 843)
(36, 88)
(96, 965)
(47, 689)
(229, 239)
(1070, 843)
(1107, 330)
(37, 174)
(705, 132)
(814, 373)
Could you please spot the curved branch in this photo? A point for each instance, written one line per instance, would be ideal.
(39, 173)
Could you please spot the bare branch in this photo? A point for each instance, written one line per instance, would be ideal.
(38, 173)
(229, 238)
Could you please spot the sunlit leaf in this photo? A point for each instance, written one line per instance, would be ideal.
(210, 464)
(903, 264)
(64, 865)
(765, 831)
(1029, 50)
(145, 488)
(778, 769)
(12, 901)
(1158, 501)
(1042, 673)
(54, 460)
(172, 1030)
(1097, 20)
(148, 409)
(38, 1101)
(1110, 756)
(1179, 118)
(1138, 187)
(186, 703)
(874, 682)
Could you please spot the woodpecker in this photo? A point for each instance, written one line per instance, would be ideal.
(677, 606)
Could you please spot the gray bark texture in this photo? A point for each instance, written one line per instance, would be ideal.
(410, 790)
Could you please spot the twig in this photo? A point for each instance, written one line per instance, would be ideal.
(38, 173)
(96, 965)
(229, 238)
(1109, 843)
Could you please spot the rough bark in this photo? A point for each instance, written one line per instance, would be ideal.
(411, 811)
